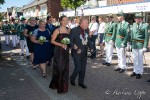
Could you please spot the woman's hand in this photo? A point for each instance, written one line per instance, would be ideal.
(40, 43)
(64, 46)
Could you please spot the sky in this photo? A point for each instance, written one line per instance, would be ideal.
(10, 3)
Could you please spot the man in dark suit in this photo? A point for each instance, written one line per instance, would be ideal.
(80, 41)
(51, 29)
(49, 24)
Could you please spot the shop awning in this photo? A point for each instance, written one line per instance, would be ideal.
(126, 8)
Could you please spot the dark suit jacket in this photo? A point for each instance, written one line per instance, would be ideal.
(75, 40)
(52, 29)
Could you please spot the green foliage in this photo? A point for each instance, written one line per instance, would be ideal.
(1, 17)
(2, 2)
(72, 4)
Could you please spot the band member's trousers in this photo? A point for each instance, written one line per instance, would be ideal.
(7, 39)
(138, 61)
(109, 52)
(14, 40)
(121, 57)
(23, 46)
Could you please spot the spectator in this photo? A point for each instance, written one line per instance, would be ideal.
(101, 31)
(41, 50)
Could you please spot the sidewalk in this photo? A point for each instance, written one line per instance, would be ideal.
(16, 84)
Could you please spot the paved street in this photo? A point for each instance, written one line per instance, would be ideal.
(18, 81)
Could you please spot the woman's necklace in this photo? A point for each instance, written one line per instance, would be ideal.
(64, 29)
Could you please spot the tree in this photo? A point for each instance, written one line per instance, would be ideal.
(2, 2)
(72, 4)
(1, 17)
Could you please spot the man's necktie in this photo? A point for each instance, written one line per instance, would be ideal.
(121, 25)
(82, 32)
(137, 26)
(50, 26)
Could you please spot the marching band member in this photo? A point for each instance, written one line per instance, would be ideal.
(6, 29)
(140, 38)
(109, 39)
(21, 27)
(14, 32)
(122, 35)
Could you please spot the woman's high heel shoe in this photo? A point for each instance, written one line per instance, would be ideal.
(44, 75)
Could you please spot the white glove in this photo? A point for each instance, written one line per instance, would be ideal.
(122, 45)
(111, 42)
(144, 49)
(103, 41)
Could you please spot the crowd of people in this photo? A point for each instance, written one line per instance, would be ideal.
(82, 36)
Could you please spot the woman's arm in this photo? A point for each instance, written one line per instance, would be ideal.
(33, 39)
(25, 33)
(54, 36)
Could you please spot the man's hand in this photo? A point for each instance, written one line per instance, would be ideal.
(91, 33)
(111, 42)
(103, 43)
(144, 49)
(122, 45)
(79, 51)
(92, 50)
(75, 47)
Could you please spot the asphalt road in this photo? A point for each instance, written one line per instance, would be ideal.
(18, 81)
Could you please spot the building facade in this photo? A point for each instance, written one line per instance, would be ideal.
(42, 8)
(37, 8)
(54, 7)
(116, 2)
(14, 12)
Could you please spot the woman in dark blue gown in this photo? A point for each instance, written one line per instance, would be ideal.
(41, 50)
(60, 75)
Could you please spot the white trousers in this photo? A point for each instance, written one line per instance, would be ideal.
(128, 46)
(14, 40)
(7, 39)
(27, 49)
(109, 52)
(121, 58)
(138, 61)
(18, 39)
(24, 47)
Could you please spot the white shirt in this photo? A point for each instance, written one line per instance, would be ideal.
(72, 25)
(93, 27)
(102, 27)
(123, 22)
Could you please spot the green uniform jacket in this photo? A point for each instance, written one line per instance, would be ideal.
(6, 29)
(140, 36)
(21, 29)
(110, 33)
(14, 29)
(122, 35)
